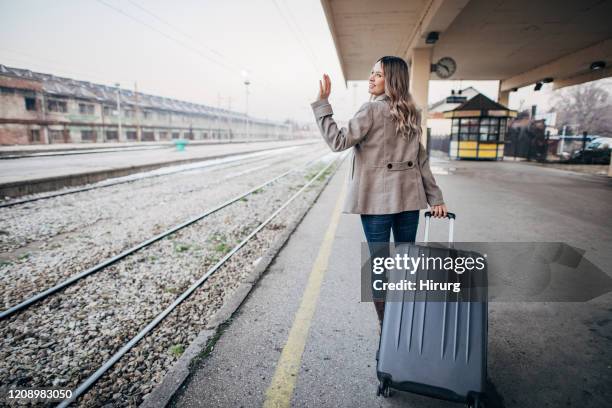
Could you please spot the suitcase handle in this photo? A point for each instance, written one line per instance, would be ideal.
(449, 215)
(451, 227)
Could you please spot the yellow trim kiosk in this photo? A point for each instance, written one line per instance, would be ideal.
(478, 129)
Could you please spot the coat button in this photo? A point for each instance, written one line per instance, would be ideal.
(389, 166)
(409, 164)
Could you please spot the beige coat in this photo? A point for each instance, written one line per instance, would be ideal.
(385, 176)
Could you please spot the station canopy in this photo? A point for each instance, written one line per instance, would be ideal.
(518, 42)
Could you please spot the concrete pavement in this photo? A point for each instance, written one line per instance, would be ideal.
(38, 174)
(540, 354)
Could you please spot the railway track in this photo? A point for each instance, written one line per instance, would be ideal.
(104, 264)
(57, 252)
(164, 171)
(159, 317)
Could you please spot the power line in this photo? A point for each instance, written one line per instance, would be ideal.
(182, 43)
(296, 36)
(304, 37)
(233, 69)
(163, 21)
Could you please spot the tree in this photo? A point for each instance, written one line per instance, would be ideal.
(589, 105)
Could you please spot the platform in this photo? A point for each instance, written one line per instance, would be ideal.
(33, 149)
(540, 354)
(31, 175)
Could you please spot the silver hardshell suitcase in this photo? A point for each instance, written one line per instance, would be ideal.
(434, 348)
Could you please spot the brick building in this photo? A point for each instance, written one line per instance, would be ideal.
(42, 108)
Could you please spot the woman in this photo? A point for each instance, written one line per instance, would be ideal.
(389, 175)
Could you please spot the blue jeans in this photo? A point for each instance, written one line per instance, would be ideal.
(377, 229)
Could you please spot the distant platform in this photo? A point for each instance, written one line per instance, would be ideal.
(38, 174)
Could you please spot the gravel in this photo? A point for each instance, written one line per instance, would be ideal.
(44, 242)
(63, 339)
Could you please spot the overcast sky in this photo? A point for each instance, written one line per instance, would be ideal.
(197, 51)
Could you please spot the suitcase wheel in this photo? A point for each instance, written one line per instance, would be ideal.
(383, 389)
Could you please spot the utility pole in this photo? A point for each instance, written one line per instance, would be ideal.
(584, 141)
(245, 75)
(137, 113)
(45, 129)
(218, 113)
(562, 141)
(229, 116)
(119, 138)
(247, 83)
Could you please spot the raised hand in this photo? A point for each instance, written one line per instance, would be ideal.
(324, 87)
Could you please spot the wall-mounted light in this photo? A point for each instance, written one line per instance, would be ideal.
(432, 37)
(538, 86)
(598, 65)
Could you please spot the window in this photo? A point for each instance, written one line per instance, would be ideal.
(502, 130)
(86, 109)
(88, 135)
(162, 116)
(490, 137)
(112, 135)
(163, 135)
(110, 111)
(147, 114)
(30, 104)
(176, 135)
(131, 135)
(54, 105)
(148, 136)
(58, 135)
(468, 137)
(128, 113)
(469, 129)
(34, 136)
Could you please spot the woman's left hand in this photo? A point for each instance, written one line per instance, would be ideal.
(324, 88)
(439, 211)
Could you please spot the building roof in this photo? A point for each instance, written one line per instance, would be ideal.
(59, 86)
(443, 104)
(480, 105)
(480, 102)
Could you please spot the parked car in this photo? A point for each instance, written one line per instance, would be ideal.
(597, 151)
(600, 143)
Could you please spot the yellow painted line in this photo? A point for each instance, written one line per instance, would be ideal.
(280, 391)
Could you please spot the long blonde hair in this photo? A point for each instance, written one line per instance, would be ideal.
(404, 112)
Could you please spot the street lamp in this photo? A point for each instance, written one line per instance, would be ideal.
(118, 111)
(245, 75)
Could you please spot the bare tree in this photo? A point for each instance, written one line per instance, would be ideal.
(588, 105)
